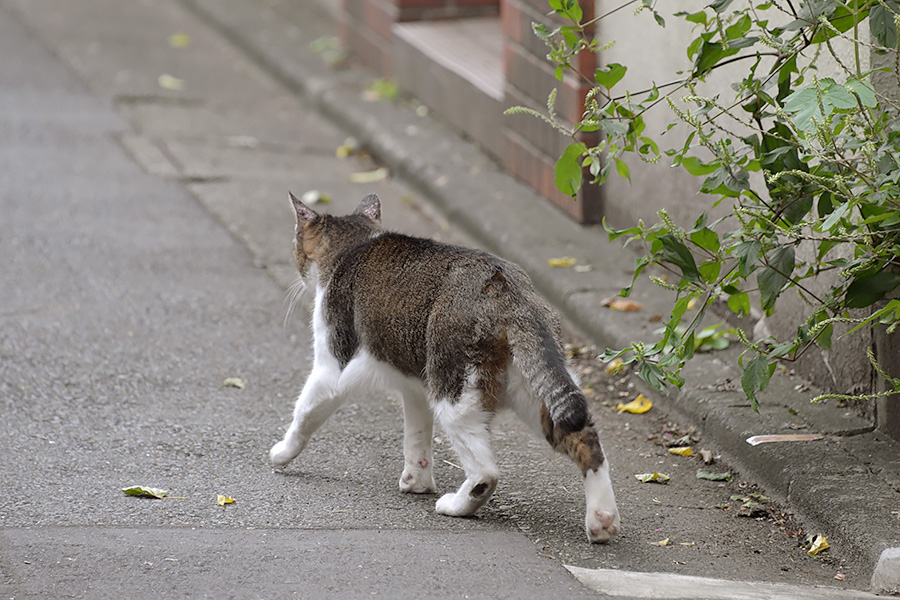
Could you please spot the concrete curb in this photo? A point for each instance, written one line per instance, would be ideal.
(845, 487)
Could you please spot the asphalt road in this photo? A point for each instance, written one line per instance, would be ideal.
(145, 247)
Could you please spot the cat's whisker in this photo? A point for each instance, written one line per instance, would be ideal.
(292, 299)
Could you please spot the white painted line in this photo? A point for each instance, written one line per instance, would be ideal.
(667, 586)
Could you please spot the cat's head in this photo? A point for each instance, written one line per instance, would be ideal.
(321, 239)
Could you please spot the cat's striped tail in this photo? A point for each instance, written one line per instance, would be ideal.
(536, 353)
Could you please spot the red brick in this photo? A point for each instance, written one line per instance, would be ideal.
(378, 16)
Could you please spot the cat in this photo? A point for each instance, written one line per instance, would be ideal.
(459, 333)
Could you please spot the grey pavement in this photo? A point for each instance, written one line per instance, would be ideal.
(145, 247)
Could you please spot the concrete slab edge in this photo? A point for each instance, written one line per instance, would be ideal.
(665, 586)
(458, 187)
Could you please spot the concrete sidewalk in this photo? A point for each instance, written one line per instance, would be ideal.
(227, 126)
(847, 484)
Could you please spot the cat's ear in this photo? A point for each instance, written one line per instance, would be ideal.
(304, 213)
(370, 207)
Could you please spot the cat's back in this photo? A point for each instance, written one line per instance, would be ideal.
(394, 293)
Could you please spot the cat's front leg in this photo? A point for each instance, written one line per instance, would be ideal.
(318, 401)
(418, 426)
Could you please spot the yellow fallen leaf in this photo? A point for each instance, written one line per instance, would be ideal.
(350, 146)
(145, 492)
(664, 542)
(820, 544)
(638, 406)
(623, 304)
(687, 544)
(686, 451)
(564, 261)
(235, 382)
(169, 82)
(652, 477)
(179, 40)
(223, 500)
(614, 365)
(379, 174)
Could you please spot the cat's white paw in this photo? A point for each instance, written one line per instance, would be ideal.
(449, 505)
(601, 520)
(601, 525)
(284, 452)
(417, 480)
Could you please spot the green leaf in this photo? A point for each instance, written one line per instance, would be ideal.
(698, 17)
(567, 173)
(709, 476)
(676, 253)
(747, 253)
(882, 27)
(739, 303)
(622, 169)
(696, 167)
(709, 270)
(864, 91)
(145, 492)
(774, 276)
(707, 239)
(756, 377)
(710, 54)
(869, 289)
(654, 376)
(609, 75)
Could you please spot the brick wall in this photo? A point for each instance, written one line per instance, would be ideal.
(531, 147)
(365, 25)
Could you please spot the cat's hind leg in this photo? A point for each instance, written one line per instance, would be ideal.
(418, 429)
(601, 519)
(318, 401)
(467, 424)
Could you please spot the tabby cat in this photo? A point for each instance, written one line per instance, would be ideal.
(459, 333)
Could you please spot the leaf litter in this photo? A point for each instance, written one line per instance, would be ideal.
(145, 492)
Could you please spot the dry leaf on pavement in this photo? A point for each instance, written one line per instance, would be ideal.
(145, 492)
(564, 261)
(652, 477)
(638, 406)
(623, 304)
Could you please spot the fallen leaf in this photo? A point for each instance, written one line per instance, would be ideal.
(687, 544)
(583, 268)
(614, 365)
(638, 406)
(652, 477)
(785, 437)
(315, 197)
(660, 543)
(235, 382)
(702, 474)
(179, 40)
(223, 500)
(145, 492)
(707, 456)
(623, 304)
(375, 175)
(350, 146)
(686, 451)
(564, 261)
(840, 577)
(169, 82)
(820, 544)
